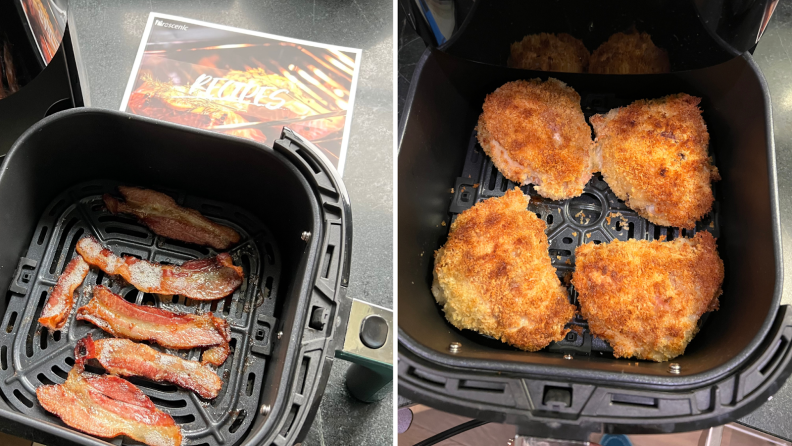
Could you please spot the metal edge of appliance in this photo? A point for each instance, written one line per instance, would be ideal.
(732, 395)
(81, 91)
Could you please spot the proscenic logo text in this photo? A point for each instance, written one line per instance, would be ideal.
(170, 25)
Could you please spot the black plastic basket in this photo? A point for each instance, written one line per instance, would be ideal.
(742, 353)
(287, 320)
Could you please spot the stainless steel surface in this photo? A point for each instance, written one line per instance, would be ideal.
(711, 437)
(533, 441)
(353, 344)
(454, 347)
(674, 368)
(265, 410)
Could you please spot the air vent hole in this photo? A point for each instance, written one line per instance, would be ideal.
(22, 398)
(43, 338)
(184, 419)
(44, 380)
(42, 235)
(493, 178)
(11, 322)
(60, 372)
(237, 422)
(251, 381)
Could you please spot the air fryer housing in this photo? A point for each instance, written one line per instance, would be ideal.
(288, 188)
(46, 87)
(741, 355)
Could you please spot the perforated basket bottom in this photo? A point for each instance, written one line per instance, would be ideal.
(30, 355)
(596, 216)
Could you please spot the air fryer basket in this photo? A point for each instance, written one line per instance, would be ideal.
(696, 34)
(286, 319)
(740, 356)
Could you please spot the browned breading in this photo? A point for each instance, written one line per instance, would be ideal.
(494, 275)
(645, 298)
(549, 52)
(535, 133)
(632, 53)
(653, 155)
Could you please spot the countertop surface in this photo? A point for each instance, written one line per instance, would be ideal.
(109, 34)
(773, 54)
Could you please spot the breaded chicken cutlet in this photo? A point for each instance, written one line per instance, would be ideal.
(549, 52)
(653, 155)
(535, 133)
(631, 53)
(645, 298)
(494, 275)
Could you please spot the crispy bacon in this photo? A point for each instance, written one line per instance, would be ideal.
(126, 358)
(216, 355)
(166, 218)
(60, 301)
(108, 406)
(113, 314)
(202, 279)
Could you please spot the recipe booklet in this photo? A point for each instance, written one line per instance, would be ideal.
(47, 22)
(244, 83)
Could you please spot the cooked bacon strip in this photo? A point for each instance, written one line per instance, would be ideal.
(216, 355)
(126, 358)
(166, 218)
(113, 314)
(108, 406)
(60, 301)
(202, 279)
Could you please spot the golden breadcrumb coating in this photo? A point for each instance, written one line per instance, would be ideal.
(535, 133)
(494, 275)
(632, 53)
(549, 52)
(653, 155)
(645, 298)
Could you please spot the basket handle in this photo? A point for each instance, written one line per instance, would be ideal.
(365, 336)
